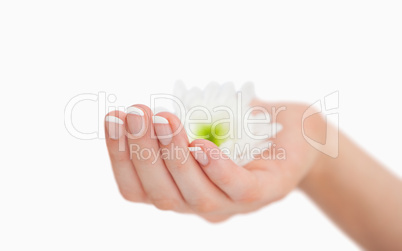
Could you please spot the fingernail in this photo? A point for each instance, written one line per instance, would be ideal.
(162, 129)
(199, 155)
(135, 120)
(135, 110)
(114, 126)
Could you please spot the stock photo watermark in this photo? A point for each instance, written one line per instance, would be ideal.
(173, 152)
(239, 130)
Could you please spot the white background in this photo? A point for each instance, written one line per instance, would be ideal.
(58, 193)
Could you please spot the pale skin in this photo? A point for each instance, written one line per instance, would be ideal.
(356, 192)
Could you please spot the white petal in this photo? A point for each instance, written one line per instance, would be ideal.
(179, 89)
(211, 92)
(277, 129)
(261, 116)
(226, 93)
(192, 98)
(248, 93)
(261, 129)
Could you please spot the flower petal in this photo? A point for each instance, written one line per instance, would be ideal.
(248, 93)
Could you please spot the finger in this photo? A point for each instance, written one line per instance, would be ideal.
(240, 184)
(124, 172)
(198, 191)
(145, 155)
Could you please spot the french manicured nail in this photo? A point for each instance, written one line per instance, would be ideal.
(199, 155)
(162, 130)
(114, 126)
(135, 120)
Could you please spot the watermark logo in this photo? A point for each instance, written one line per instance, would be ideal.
(103, 103)
(243, 124)
(328, 107)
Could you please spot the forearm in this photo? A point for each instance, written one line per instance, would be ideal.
(362, 197)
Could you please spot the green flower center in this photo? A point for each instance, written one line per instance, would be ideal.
(217, 134)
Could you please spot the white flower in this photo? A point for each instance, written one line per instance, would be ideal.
(220, 114)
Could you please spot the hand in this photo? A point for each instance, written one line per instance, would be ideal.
(153, 171)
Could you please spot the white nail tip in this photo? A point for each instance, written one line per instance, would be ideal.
(114, 119)
(135, 110)
(199, 155)
(194, 148)
(159, 120)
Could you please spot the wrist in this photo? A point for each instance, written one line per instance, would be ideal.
(327, 157)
